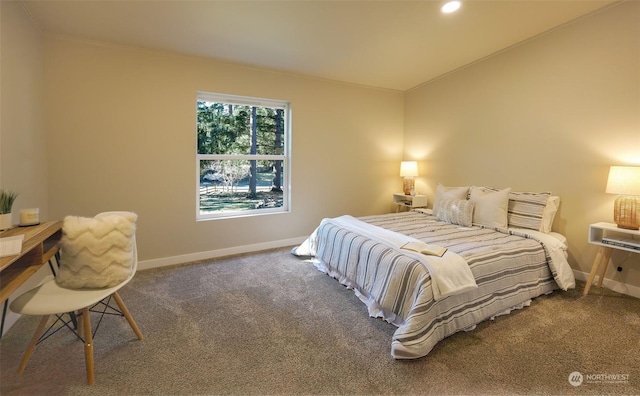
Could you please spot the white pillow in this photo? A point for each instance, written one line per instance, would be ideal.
(96, 252)
(549, 213)
(443, 192)
(456, 211)
(490, 207)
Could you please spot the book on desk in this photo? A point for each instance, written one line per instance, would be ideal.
(11, 246)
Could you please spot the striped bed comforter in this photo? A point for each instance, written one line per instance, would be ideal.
(509, 270)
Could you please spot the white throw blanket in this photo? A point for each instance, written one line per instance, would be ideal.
(450, 273)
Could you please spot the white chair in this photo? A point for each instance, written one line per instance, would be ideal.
(50, 299)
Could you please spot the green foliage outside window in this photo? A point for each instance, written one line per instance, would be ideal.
(226, 131)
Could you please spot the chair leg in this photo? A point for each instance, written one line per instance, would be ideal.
(33, 343)
(88, 345)
(127, 315)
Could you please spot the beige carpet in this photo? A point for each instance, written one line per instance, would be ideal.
(270, 323)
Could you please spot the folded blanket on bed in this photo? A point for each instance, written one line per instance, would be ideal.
(450, 273)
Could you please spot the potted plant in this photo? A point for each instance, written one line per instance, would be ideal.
(6, 203)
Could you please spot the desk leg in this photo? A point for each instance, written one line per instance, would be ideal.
(4, 316)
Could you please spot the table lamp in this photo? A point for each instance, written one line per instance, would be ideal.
(625, 181)
(408, 170)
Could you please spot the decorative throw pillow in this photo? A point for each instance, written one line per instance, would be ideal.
(97, 252)
(456, 211)
(443, 192)
(491, 206)
(549, 213)
(526, 209)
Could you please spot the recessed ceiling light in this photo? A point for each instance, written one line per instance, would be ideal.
(450, 6)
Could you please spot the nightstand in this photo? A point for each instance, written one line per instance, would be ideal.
(609, 236)
(409, 201)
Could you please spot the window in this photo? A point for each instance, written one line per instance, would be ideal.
(242, 156)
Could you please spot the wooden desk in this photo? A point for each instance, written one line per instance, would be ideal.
(39, 246)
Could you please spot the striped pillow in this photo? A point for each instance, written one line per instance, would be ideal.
(526, 209)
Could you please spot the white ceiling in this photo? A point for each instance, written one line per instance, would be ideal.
(390, 44)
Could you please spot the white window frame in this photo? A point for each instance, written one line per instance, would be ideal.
(285, 157)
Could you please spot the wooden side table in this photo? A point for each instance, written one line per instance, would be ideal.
(409, 201)
(609, 236)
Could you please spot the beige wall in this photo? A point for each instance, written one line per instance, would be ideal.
(120, 130)
(23, 148)
(121, 124)
(22, 133)
(549, 115)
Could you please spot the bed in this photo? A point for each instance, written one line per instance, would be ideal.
(500, 254)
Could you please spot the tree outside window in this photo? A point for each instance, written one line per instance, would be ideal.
(242, 156)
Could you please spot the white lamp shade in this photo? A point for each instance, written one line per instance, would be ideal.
(408, 169)
(624, 180)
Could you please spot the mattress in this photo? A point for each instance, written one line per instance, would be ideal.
(510, 267)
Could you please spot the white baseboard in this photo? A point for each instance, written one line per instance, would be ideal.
(187, 258)
(616, 286)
